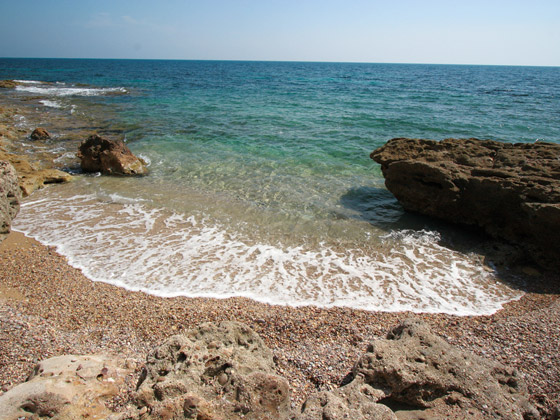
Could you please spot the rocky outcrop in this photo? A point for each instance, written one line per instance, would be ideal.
(512, 191)
(216, 371)
(110, 157)
(8, 84)
(40, 134)
(10, 196)
(225, 372)
(67, 387)
(414, 374)
(31, 176)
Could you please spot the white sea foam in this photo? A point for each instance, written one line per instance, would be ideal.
(127, 243)
(69, 91)
(29, 82)
(51, 104)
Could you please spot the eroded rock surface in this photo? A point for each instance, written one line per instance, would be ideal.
(10, 196)
(216, 371)
(110, 157)
(66, 387)
(414, 374)
(512, 191)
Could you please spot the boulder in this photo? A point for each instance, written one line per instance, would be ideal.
(215, 371)
(67, 387)
(414, 374)
(512, 191)
(40, 134)
(10, 196)
(110, 157)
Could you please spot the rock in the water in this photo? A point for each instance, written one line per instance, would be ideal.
(215, 371)
(414, 374)
(10, 196)
(40, 134)
(8, 84)
(110, 157)
(66, 387)
(512, 191)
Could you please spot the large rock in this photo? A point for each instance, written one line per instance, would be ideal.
(40, 133)
(414, 374)
(10, 196)
(110, 157)
(216, 371)
(512, 191)
(67, 387)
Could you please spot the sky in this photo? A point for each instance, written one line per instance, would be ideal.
(377, 31)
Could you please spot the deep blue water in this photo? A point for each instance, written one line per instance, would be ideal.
(275, 156)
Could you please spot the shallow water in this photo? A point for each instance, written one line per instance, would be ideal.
(260, 180)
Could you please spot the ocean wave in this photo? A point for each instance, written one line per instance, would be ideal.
(70, 91)
(51, 104)
(131, 245)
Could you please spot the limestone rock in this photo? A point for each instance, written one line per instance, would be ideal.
(418, 375)
(10, 196)
(110, 157)
(216, 371)
(512, 191)
(8, 84)
(30, 177)
(66, 387)
(40, 134)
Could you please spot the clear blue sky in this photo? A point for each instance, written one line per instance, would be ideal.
(401, 31)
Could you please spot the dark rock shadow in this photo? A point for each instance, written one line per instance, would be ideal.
(380, 208)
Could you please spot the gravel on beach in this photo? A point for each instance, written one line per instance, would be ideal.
(49, 308)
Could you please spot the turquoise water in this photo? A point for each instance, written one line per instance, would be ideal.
(260, 180)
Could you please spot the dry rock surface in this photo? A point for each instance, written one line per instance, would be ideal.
(67, 387)
(223, 371)
(512, 191)
(215, 371)
(414, 374)
(10, 196)
(110, 157)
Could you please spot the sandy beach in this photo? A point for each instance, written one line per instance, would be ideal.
(49, 308)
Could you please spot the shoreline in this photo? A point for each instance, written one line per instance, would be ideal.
(49, 308)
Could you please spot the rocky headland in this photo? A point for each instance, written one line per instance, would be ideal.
(511, 191)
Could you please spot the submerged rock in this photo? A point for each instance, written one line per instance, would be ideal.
(110, 157)
(512, 191)
(414, 374)
(10, 196)
(40, 134)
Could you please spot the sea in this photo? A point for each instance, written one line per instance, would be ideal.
(260, 182)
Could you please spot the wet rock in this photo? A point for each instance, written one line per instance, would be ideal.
(66, 387)
(10, 196)
(40, 134)
(512, 191)
(8, 84)
(110, 157)
(31, 177)
(415, 374)
(215, 371)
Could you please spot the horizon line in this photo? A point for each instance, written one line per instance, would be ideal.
(282, 61)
